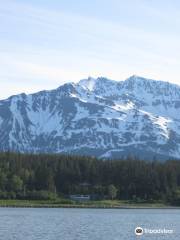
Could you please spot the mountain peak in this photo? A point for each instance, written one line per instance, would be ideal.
(97, 116)
(136, 78)
(100, 86)
(88, 83)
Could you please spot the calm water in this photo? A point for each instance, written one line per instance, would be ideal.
(81, 224)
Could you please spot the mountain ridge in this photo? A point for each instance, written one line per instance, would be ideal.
(96, 116)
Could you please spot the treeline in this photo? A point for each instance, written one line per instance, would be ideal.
(28, 176)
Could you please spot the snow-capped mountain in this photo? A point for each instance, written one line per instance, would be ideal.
(98, 117)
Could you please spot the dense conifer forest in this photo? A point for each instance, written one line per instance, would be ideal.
(28, 176)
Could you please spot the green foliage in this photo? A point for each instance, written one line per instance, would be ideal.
(175, 197)
(43, 195)
(16, 183)
(45, 176)
(112, 191)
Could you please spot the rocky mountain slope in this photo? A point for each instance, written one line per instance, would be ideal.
(98, 117)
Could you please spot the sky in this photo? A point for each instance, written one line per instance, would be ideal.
(44, 44)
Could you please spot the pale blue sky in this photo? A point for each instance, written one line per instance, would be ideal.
(44, 43)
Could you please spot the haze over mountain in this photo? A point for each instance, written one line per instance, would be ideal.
(98, 117)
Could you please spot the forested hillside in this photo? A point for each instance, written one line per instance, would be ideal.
(48, 176)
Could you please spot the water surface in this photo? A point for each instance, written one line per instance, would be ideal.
(85, 224)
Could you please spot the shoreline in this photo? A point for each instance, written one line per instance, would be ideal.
(75, 206)
(101, 204)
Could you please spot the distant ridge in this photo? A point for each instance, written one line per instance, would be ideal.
(96, 116)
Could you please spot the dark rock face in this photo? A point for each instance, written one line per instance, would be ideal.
(98, 117)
